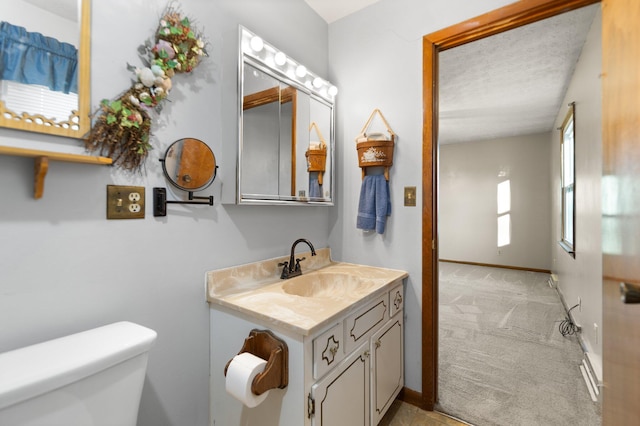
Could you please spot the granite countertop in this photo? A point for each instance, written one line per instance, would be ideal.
(256, 290)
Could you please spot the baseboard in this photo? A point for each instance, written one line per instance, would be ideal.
(491, 265)
(415, 398)
(411, 397)
(590, 376)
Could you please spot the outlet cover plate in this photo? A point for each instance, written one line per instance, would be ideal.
(125, 202)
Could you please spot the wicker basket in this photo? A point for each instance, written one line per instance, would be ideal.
(375, 150)
(316, 159)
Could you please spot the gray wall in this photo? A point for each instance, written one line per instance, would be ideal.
(375, 59)
(582, 277)
(64, 268)
(467, 218)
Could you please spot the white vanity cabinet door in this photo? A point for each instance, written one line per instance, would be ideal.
(342, 397)
(387, 367)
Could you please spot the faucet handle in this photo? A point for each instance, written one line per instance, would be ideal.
(298, 263)
(285, 270)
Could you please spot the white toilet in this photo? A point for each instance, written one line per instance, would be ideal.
(90, 378)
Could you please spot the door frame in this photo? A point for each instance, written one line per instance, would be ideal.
(504, 19)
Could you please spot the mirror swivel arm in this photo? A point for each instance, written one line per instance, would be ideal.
(160, 201)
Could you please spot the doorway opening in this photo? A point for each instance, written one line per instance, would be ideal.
(503, 19)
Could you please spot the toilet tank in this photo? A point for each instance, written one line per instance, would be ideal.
(90, 378)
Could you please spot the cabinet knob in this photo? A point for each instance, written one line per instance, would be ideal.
(333, 350)
(366, 353)
(378, 344)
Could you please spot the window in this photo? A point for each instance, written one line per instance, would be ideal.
(504, 217)
(568, 177)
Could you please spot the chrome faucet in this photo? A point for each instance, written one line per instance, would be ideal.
(290, 270)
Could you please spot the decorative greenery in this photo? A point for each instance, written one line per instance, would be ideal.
(122, 127)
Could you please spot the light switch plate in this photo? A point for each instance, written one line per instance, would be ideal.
(410, 196)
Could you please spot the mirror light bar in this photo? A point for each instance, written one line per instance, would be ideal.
(254, 46)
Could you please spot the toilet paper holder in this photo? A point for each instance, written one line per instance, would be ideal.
(264, 344)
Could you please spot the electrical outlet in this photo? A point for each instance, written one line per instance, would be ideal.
(125, 202)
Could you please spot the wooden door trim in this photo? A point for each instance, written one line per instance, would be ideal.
(506, 18)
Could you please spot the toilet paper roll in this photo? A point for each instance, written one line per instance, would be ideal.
(240, 374)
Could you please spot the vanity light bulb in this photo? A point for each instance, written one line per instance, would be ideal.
(301, 71)
(280, 59)
(317, 82)
(256, 43)
(333, 90)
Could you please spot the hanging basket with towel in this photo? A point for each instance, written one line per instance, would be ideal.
(317, 154)
(375, 149)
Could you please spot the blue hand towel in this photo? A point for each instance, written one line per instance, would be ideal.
(375, 203)
(315, 189)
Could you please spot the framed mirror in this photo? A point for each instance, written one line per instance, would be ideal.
(286, 136)
(189, 164)
(45, 67)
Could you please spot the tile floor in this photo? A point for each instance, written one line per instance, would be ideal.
(403, 414)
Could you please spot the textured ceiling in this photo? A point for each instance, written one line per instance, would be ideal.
(511, 83)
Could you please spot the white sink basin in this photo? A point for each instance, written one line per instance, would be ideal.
(327, 285)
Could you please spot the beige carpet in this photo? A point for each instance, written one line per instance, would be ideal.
(502, 360)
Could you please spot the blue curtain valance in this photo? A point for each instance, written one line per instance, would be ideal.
(32, 58)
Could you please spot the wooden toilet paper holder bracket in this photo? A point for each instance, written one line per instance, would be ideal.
(264, 344)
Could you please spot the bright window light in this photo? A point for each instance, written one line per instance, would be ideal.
(504, 197)
(504, 230)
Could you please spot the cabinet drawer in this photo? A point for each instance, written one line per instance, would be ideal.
(365, 321)
(328, 350)
(396, 300)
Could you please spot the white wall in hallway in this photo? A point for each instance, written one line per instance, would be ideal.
(468, 201)
(582, 277)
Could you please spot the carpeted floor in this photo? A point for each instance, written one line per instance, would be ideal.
(502, 360)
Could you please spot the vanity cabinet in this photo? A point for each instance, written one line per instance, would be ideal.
(343, 327)
(365, 374)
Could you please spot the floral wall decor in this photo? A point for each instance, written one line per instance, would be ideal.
(122, 127)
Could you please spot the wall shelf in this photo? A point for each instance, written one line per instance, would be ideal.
(41, 162)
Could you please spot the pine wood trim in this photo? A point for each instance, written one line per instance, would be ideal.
(40, 124)
(491, 265)
(41, 163)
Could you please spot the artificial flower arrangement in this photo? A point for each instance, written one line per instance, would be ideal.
(122, 127)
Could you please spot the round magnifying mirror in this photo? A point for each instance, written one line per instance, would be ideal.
(189, 164)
